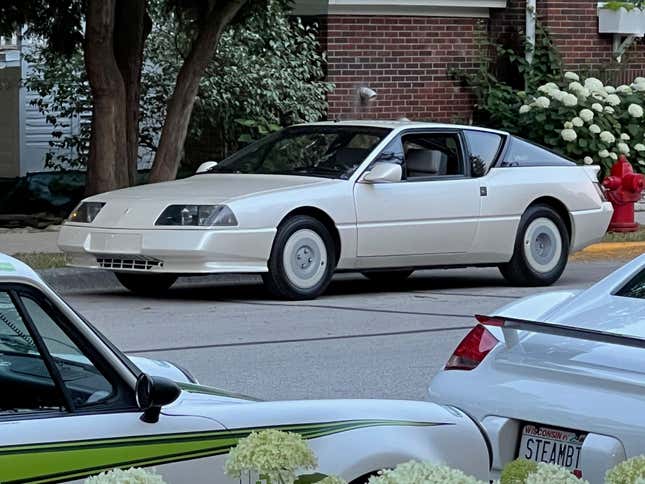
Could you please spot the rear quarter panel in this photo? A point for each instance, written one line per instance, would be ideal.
(511, 190)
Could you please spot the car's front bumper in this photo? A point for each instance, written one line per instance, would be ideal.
(176, 251)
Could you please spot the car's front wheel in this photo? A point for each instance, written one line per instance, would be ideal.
(146, 284)
(541, 248)
(302, 259)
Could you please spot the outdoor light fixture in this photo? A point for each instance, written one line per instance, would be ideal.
(366, 95)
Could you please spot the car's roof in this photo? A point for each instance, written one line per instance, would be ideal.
(400, 124)
(11, 268)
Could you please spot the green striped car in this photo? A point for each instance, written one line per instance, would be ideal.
(72, 405)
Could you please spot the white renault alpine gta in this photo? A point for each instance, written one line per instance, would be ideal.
(558, 377)
(72, 405)
(382, 198)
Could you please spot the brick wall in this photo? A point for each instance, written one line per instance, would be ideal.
(574, 27)
(404, 59)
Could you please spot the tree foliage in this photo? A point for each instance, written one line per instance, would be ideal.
(266, 73)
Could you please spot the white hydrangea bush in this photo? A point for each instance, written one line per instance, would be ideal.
(589, 121)
(134, 475)
(414, 472)
(552, 474)
(272, 454)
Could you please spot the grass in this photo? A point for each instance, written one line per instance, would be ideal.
(43, 260)
(638, 236)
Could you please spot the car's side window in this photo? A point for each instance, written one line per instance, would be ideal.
(26, 384)
(431, 155)
(484, 148)
(83, 381)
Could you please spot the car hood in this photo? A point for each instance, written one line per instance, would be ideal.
(208, 188)
(261, 414)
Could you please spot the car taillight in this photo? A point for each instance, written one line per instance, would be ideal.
(472, 350)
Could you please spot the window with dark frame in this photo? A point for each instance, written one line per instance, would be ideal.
(430, 155)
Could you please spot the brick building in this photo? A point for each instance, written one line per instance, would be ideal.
(403, 49)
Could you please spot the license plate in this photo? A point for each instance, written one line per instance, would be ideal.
(115, 243)
(552, 445)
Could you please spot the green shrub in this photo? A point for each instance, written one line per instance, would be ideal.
(630, 471)
(517, 471)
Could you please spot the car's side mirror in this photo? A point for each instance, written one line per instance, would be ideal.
(152, 393)
(477, 166)
(207, 165)
(383, 172)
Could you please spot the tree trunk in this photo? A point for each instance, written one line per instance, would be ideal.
(180, 105)
(132, 26)
(106, 167)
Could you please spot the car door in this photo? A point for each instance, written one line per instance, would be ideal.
(434, 209)
(65, 413)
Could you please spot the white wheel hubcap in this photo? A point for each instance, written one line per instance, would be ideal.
(304, 258)
(542, 245)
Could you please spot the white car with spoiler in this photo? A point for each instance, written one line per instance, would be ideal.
(72, 405)
(379, 197)
(558, 377)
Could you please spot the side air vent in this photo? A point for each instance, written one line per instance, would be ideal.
(129, 262)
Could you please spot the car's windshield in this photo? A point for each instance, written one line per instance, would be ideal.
(315, 150)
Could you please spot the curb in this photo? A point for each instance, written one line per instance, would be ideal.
(613, 246)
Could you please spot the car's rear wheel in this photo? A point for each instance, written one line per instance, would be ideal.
(146, 284)
(388, 276)
(541, 248)
(302, 259)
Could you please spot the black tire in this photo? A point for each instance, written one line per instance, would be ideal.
(295, 236)
(388, 276)
(535, 262)
(146, 284)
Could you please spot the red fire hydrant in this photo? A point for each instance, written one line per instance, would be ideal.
(624, 188)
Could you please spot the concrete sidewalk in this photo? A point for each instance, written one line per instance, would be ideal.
(14, 241)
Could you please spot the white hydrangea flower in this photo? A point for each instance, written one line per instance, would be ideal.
(134, 475)
(271, 452)
(625, 137)
(569, 135)
(635, 111)
(549, 87)
(588, 160)
(332, 480)
(613, 156)
(639, 147)
(543, 102)
(638, 86)
(607, 137)
(525, 109)
(575, 86)
(603, 154)
(595, 129)
(612, 100)
(586, 115)
(568, 125)
(593, 84)
(577, 122)
(569, 100)
(609, 110)
(571, 76)
(641, 481)
(552, 474)
(597, 107)
(414, 472)
(624, 89)
(610, 89)
(623, 148)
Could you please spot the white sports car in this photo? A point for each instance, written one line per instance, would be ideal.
(382, 198)
(72, 405)
(558, 377)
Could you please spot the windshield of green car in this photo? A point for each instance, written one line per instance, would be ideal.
(315, 150)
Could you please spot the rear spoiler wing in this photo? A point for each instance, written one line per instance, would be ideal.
(510, 327)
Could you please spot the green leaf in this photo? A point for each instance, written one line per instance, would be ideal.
(310, 478)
